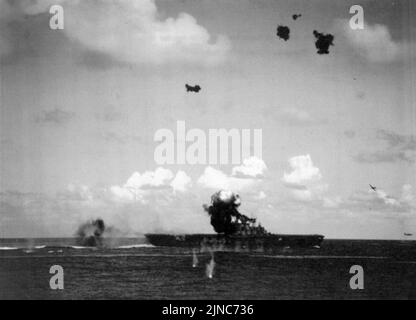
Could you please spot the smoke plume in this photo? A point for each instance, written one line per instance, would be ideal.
(225, 217)
(90, 234)
(323, 41)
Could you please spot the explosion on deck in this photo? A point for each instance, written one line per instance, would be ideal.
(226, 219)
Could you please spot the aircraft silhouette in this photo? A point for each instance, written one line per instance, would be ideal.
(372, 187)
(189, 88)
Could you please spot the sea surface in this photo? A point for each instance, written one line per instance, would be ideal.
(132, 269)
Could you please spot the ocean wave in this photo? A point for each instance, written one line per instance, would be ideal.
(9, 248)
(134, 246)
(40, 247)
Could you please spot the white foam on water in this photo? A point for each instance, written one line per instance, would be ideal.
(134, 246)
(9, 248)
(320, 257)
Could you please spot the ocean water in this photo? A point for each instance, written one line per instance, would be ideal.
(132, 269)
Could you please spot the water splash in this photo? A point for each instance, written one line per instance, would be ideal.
(210, 267)
(194, 259)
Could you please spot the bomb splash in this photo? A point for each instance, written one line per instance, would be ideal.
(90, 234)
(210, 267)
(194, 259)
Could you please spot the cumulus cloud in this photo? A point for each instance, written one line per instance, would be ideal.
(132, 31)
(303, 171)
(181, 182)
(242, 177)
(150, 179)
(216, 179)
(213, 178)
(252, 167)
(139, 187)
(304, 180)
(126, 194)
(375, 43)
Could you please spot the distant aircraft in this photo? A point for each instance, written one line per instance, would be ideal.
(408, 234)
(374, 188)
(295, 16)
(189, 88)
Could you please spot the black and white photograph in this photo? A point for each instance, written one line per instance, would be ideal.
(207, 150)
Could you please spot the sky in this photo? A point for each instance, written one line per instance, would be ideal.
(79, 109)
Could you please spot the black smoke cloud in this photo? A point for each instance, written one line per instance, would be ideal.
(225, 217)
(283, 32)
(323, 41)
(91, 233)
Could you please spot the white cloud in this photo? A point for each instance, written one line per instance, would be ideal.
(374, 42)
(150, 179)
(304, 181)
(242, 177)
(181, 182)
(132, 31)
(303, 171)
(124, 194)
(139, 187)
(252, 167)
(216, 179)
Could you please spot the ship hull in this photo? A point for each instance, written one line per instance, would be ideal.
(234, 242)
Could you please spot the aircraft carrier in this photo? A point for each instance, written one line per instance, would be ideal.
(234, 231)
